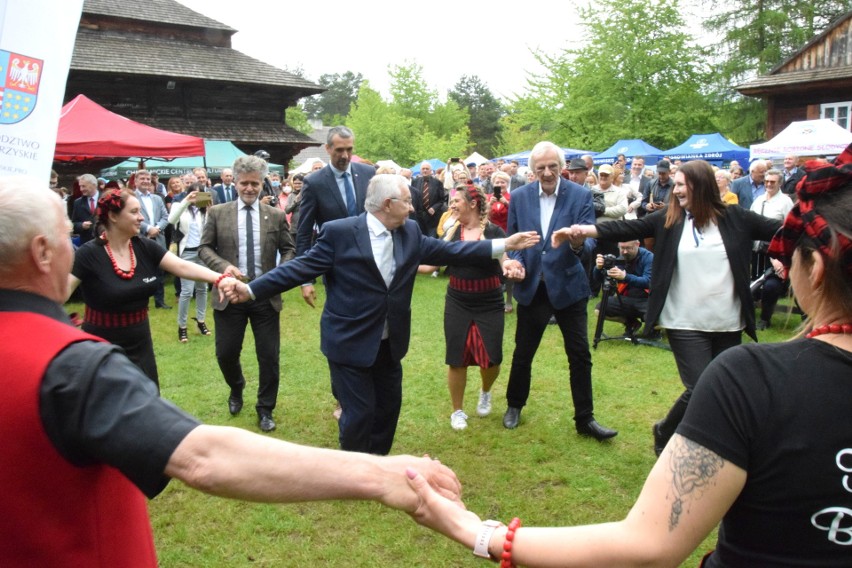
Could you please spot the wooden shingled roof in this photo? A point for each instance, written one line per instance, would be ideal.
(159, 11)
(825, 59)
(164, 38)
(155, 57)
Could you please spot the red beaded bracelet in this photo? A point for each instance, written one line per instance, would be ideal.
(221, 277)
(506, 557)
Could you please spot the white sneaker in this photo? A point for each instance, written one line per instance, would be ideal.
(484, 406)
(435, 274)
(458, 420)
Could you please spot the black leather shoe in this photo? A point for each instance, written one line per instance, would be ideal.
(512, 417)
(162, 306)
(659, 441)
(596, 431)
(266, 423)
(235, 404)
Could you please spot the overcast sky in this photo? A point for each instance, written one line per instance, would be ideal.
(446, 38)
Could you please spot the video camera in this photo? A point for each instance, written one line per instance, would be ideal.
(611, 261)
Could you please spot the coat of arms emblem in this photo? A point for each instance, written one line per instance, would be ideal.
(19, 81)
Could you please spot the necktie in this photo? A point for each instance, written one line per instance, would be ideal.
(350, 195)
(386, 264)
(426, 193)
(92, 205)
(249, 244)
(230, 193)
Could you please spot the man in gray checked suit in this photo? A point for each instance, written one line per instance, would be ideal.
(242, 238)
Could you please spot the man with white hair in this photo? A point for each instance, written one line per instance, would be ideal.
(750, 187)
(555, 285)
(83, 212)
(366, 324)
(433, 199)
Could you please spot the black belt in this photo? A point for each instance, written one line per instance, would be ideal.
(190, 249)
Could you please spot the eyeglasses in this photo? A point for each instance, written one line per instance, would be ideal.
(552, 167)
(406, 201)
(54, 183)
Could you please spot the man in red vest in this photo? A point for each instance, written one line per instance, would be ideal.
(84, 438)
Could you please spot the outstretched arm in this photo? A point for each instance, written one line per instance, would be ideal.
(685, 496)
(234, 463)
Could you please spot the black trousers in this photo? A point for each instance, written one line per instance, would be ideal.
(532, 321)
(371, 398)
(631, 309)
(231, 326)
(693, 351)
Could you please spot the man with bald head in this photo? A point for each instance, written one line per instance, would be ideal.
(433, 200)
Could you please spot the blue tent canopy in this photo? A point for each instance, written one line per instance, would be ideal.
(219, 154)
(713, 148)
(629, 147)
(434, 162)
(523, 158)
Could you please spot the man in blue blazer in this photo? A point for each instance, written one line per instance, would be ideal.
(750, 187)
(555, 284)
(370, 262)
(326, 193)
(155, 219)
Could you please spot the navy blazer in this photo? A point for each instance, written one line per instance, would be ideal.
(358, 301)
(322, 202)
(561, 268)
(80, 212)
(741, 187)
(219, 196)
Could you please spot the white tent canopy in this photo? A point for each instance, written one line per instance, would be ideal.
(476, 158)
(805, 138)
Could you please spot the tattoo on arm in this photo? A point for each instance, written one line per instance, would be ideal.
(693, 468)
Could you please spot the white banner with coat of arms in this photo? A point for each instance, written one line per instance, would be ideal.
(36, 43)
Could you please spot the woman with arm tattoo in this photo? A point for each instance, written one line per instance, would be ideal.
(765, 446)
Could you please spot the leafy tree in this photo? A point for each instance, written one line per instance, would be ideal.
(639, 76)
(755, 36)
(485, 111)
(333, 104)
(296, 118)
(382, 132)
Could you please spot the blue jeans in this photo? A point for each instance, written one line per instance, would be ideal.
(186, 287)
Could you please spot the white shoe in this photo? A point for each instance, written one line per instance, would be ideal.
(435, 274)
(458, 420)
(484, 406)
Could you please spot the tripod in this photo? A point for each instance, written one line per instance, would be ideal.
(608, 289)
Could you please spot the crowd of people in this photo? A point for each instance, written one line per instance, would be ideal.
(692, 240)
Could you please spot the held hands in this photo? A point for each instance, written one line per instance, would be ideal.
(520, 241)
(448, 517)
(514, 270)
(399, 493)
(234, 291)
(575, 235)
(153, 231)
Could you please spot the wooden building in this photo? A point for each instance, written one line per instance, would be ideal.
(162, 64)
(815, 82)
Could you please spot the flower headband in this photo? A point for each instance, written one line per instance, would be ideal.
(110, 201)
(822, 178)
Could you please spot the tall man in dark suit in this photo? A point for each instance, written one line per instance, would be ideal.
(369, 262)
(792, 174)
(556, 284)
(242, 238)
(433, 199)
(83, 215)
(334, 192)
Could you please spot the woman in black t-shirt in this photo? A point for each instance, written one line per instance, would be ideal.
(119, 272)
(765, 446)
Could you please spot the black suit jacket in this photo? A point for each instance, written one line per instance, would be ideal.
(437, 202)
(80, 212)
(789, 186)
(322, 202)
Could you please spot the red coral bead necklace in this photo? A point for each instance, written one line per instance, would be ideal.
(121, 273)
(838, 328)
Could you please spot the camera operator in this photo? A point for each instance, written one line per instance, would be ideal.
(631, 273)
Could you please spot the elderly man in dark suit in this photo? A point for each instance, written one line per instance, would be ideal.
(370, 263)
(242, 238)
(334, 192)
(83, 211)
(556, 285)
(433, 199)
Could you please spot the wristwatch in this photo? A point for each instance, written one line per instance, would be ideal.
(480, 547)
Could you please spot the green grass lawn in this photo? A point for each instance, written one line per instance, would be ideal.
(541, 472)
